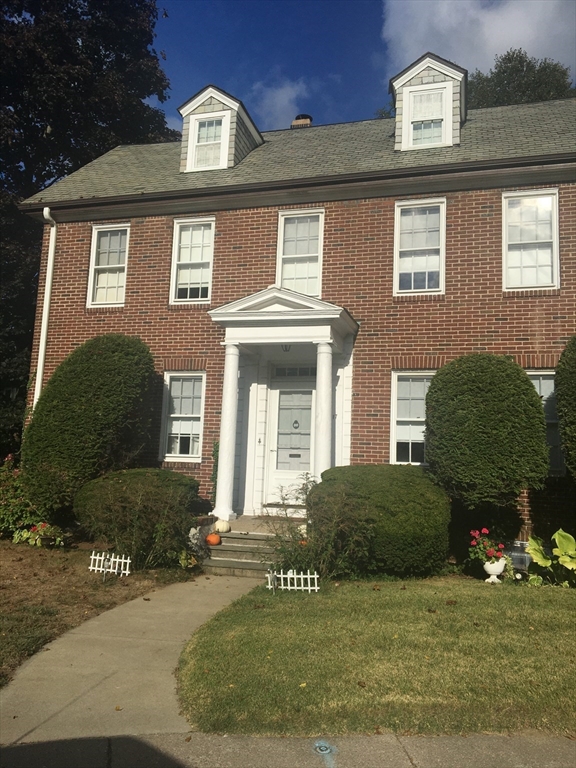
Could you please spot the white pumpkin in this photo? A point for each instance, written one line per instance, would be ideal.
(221, 526)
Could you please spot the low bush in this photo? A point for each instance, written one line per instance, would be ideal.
(144, 513)
(16, 512)
(368, 519)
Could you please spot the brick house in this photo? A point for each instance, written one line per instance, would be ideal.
(298, 288)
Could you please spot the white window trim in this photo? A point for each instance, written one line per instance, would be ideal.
(282, 216)
(96, 228)
(162, 455)
(400, 204)
(552, 471)
(224, 139)
(447, 133)
(177, 224)
(553, 193)
(394, 409)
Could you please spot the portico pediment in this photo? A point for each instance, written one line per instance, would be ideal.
(277, 315)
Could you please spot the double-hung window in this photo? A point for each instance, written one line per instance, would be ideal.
(408, 417)
(108, 257)
(182, 417)
(209, 138)
(192, 254)
(300, 236)
(544, 383)
(427, 116)
(419, 244)
(530, 240)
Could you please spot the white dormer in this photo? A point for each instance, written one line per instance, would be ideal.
(430, 101)
(217, 131)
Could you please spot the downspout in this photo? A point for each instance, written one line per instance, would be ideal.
(46, 307)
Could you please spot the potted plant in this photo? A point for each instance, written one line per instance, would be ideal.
(489, 552)
(41, 535)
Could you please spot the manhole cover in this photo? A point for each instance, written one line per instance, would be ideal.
(323, 749)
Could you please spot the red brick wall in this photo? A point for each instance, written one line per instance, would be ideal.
(396, 333)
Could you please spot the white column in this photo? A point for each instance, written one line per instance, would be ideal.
(227, 448)
(323, 434)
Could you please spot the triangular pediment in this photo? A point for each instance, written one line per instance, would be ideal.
(274, 300)
(281, 311)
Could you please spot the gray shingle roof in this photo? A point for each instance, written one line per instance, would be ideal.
(496, 134)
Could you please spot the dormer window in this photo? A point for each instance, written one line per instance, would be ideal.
(217, 131)
(209, 136)
(430, 101)
(428, 118)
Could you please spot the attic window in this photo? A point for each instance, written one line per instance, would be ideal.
(427, 116)
(209, 135)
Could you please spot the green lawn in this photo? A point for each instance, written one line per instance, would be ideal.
(445, 655)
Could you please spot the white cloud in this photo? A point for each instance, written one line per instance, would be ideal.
(471, 32)
(277, 105)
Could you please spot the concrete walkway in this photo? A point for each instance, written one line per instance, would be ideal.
(103, 696)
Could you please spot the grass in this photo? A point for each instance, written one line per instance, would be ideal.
(448, 655)
(44, 593)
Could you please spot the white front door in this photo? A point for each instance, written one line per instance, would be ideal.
(290, 439)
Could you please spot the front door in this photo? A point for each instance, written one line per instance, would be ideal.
(290, 440)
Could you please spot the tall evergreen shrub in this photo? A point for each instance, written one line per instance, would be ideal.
(93, 416)
(566, 403)
(485, 430)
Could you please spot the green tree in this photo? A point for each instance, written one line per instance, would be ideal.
(519, 79)
(75, 78)
(485, 431)
(93, 416)
(566, 400)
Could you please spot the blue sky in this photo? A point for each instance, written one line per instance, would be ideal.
(333, 58)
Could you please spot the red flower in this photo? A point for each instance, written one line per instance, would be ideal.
(475, 534)
(34, 528)
(498, 554)
(485, 530)
(473, 543)
(490, 552)
(500, 546)
(43, 525)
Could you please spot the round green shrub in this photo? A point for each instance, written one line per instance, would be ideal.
(485, 430)
(143, 513)
(378, 519)
(93, 416)
(565, 382)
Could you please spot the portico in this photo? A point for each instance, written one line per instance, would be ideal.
(286, 395)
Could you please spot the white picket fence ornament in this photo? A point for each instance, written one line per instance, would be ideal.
(104, 562)
(301, 582)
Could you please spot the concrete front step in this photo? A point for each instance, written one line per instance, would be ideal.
(240, 554)
(229, 567)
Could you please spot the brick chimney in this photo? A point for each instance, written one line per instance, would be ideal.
(302, 121)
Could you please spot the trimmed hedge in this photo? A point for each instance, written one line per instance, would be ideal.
(93, 416)
(565, 382)
(379, 519)
(485, 430)
(144, 513)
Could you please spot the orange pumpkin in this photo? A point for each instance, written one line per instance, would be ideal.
(213, 539)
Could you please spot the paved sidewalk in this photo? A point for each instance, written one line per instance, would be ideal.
(103, 696)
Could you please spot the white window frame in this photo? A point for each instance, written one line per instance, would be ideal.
(561, 469)
(96, 229)
(447, 90)
(394, 408)
(163, 454)
(523, 194)
(400, 205)
(282, 217)
(193, 139)
(178, 223)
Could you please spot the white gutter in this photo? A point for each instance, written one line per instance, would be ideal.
(46, 307)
